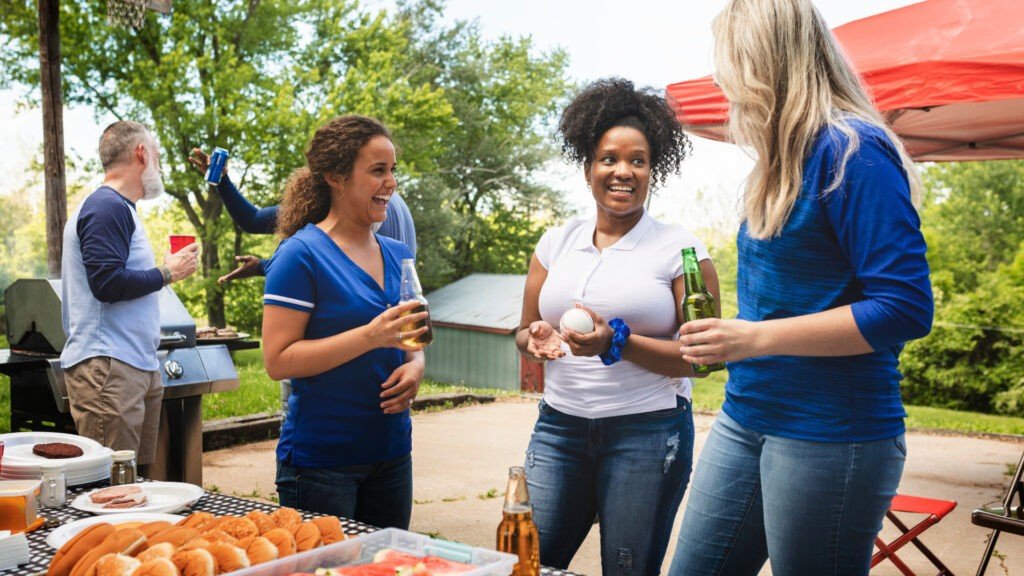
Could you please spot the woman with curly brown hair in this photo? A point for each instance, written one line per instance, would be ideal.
(614, 437)
(331, 323)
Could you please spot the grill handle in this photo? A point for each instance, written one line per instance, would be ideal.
(176, 338)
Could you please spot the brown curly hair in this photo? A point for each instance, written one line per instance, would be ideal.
(333, 150)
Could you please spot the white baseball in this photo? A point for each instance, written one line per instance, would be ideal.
(577, 320)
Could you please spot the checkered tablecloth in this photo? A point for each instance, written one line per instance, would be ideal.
(217, 504)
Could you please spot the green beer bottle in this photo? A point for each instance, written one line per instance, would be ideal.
(698, 302)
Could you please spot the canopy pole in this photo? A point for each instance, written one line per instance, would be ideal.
(53, 132)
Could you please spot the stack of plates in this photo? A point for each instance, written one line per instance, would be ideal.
(13, 549)
(19, 463)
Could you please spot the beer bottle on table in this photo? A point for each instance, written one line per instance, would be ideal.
(698, 302)
(517, 534)
(411, 290)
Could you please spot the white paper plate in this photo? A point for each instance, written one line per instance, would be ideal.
(18, 450)
(62, 534)
(161, 497)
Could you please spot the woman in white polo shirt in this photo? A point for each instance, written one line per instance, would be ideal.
(614, 438)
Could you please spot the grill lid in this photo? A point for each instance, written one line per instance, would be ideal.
(34, 317)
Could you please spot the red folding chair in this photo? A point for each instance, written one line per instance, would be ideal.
(934, 510)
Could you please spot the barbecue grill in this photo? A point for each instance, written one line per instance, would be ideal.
(39, 397)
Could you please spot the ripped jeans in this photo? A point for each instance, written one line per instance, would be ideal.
(629, 471)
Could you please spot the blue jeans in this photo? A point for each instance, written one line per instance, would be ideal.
(630, 471)
(811, 507)
(377, 494)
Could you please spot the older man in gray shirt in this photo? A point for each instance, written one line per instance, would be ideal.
(110, 306)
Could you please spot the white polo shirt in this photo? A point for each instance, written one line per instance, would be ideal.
(632, 280)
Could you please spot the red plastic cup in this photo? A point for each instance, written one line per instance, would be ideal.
(179, 241)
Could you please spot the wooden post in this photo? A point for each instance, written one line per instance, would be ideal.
(53, 132)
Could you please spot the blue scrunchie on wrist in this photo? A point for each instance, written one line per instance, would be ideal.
(614, 352)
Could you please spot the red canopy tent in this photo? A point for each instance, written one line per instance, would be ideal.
(947, 74)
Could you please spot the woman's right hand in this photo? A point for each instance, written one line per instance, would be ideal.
(386, 329)
(543, 342)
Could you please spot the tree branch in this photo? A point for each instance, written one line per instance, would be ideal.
(236, 41)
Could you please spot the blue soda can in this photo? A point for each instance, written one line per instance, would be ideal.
(218, 160)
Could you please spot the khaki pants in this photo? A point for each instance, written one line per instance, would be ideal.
(116, 404)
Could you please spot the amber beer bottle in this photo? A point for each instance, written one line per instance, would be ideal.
(517, 534)
(411, 290)
(698, 302)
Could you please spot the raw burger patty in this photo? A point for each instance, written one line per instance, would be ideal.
(113, 493)
(57, 450)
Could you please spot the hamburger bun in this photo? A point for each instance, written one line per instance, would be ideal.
(283, 540)
(161, 550)
(157, 567)
(178, 536)
(330, 529)
(307, 536)
(260, 550)
(195, 562)
(151, 529)
(287, 518)
(73, 550)
(218, 535)
(262, 520)
(239, 527)
(195, 543)
(127, 542)
(114, 565)
(228, 557)
(196, 520)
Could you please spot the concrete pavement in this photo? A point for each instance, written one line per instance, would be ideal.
(461, 459)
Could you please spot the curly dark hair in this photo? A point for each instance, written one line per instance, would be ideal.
(333, 150)
(613, 102)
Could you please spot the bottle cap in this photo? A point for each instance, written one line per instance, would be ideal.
(122, 455)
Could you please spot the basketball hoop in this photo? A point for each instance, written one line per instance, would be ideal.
(126, 13)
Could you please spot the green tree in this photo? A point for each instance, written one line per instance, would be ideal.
(254, 76)
(973, 220)
(504, 97)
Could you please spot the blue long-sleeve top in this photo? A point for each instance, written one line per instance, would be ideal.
(254, 220)
(105, 227)
(859, 245)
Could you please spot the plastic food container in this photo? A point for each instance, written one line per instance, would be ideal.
(18, 504)
(361, 550)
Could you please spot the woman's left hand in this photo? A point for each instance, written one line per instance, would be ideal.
(593, 343)
(401, 387)
(713, 340)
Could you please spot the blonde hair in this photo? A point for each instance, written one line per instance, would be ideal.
(787, 79)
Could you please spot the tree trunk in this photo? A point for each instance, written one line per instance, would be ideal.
(214, 292)
(53, 133)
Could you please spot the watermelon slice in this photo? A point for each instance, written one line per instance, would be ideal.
(390, 562)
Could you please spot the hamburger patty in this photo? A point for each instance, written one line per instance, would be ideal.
(57, 450)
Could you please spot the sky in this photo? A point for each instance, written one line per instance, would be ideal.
(651, 42)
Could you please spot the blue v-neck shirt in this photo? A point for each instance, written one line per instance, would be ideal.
(334, 418)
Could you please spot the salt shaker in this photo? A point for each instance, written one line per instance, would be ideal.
(122, 467)
(53, 491)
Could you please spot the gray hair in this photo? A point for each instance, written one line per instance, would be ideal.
(118, 141)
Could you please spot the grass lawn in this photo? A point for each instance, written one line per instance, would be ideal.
(258, 393)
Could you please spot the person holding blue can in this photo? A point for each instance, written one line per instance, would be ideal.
(398, 224)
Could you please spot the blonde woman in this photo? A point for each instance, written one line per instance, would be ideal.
(807, 453)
